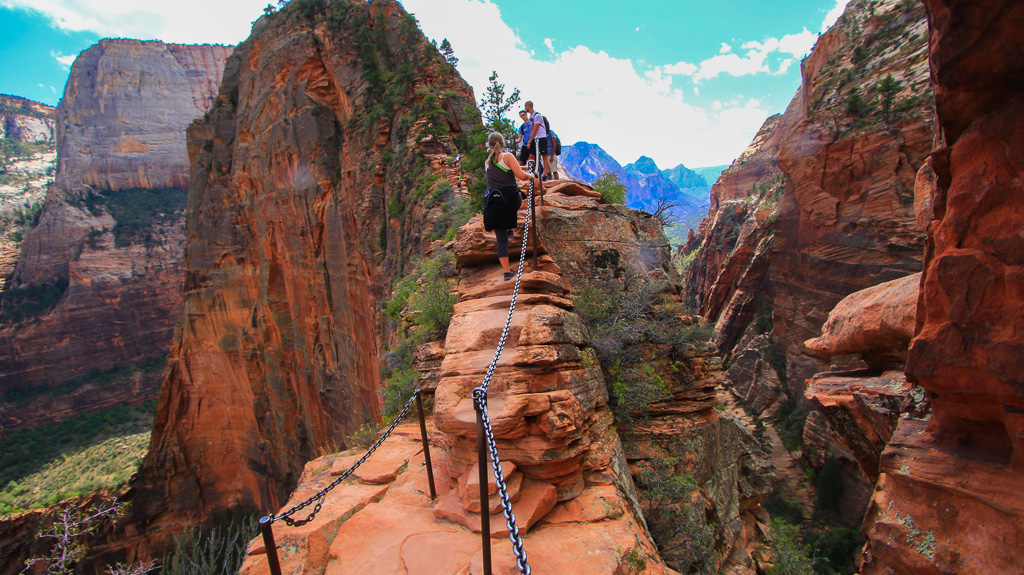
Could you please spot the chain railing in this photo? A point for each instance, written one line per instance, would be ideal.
(485, 434)
(317, 500)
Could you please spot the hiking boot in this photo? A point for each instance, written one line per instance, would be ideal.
(509, 275)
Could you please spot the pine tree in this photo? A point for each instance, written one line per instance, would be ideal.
(495, 105)
(448, 52)
(888, 88)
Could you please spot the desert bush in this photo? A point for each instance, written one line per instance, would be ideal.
(365, 436)
(633, 389)
(433, 302)
(684, 537)
(216, 550)
(68, 533)
(789, 555)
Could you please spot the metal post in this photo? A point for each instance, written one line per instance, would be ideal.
(426, 445)
(268, 541)
(485, 505)
(533, 205)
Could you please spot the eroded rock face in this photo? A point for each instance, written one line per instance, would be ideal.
(822, 203)
(292, 242)
(112, 232)
(964, 467)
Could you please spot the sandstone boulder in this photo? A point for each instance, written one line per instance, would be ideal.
(877, 323)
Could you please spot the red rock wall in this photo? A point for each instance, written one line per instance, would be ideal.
(948, 499)
(821, 204)
(120, 125)
(275, 353)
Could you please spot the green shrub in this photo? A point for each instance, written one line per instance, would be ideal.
(220, 549)
(680, 530)
(433, 302)
(366, 435)
(633, 389)
(830, 487)
(137, 210)
(789, 422)
(31, 301)
(780, 505)
(612, 190)
(789, 555)
(398, 388)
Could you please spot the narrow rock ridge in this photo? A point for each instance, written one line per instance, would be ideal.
(571, 489)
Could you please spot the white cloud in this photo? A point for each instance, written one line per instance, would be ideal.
(181, 21)
(834, 14)
(681, 68)
(755, 61)
(550, 44)
(590, 95)
(62, 59)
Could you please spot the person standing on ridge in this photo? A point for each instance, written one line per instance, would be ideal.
(538, 134)
(555, 149)
(524, 131)
(503, 198)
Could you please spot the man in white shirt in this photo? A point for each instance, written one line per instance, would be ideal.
(538, 134)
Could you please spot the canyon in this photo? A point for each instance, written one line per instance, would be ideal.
(860, 261)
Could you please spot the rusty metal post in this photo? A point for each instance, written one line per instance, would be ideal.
(268, 541)
(533, 204)
(485, 504)
(426, 445)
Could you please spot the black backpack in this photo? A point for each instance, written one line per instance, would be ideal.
(556, 144)
(547, 126)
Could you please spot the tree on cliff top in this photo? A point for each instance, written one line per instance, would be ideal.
(495, 105)
(611, 189)
(448, 53)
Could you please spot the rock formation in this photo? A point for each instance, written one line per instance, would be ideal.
(26, 168)
(821, 204)
(107, 250)
(303, 207)
(566, 467)
(948, 496)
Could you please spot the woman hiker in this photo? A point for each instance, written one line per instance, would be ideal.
(502, 199)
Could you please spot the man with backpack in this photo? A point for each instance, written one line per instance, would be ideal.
(524, 133)
(538, 134)
(555, 145)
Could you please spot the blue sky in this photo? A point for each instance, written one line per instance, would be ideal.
(682, 81)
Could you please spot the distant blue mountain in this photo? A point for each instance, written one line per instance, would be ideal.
(646, 183)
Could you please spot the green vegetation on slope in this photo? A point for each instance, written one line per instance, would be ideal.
(19, 396)
(81, 454)
(31, 301)
(137, 210)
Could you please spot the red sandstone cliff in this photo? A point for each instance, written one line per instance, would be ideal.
(108, 245)
(821, 204)
(302, 210)
(948, 496)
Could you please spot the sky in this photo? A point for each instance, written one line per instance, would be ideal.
(681, 81)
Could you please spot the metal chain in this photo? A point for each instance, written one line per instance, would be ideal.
(319, 497)
(480, 398)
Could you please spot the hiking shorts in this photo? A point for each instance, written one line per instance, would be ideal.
(524, 154)
(543, 142)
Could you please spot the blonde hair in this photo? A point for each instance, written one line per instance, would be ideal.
(496, 142)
